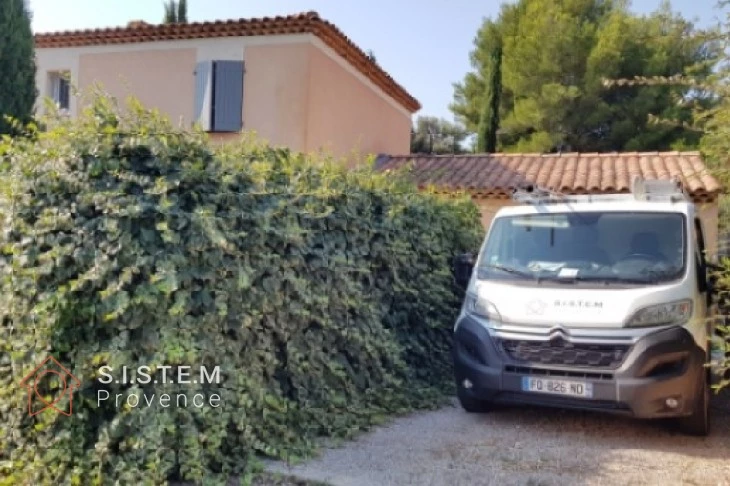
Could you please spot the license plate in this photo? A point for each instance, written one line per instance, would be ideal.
(557, 387)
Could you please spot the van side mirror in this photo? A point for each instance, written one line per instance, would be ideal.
(463, 267)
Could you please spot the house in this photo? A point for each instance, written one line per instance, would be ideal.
(490, 179)
(297, 81)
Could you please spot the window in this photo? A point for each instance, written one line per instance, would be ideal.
(604, 247)
(219, 95)
(60, 89)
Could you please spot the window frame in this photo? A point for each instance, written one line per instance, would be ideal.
(208, 97)
(60, 89)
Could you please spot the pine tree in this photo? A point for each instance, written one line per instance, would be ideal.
(552, 93)
(17, 64)
(489, 121)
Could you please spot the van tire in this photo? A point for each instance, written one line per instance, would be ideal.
(473, 405)
(698, 424)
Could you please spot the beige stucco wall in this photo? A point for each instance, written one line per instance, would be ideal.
(276, 93)
(224, 49)
(489, 207)
(161, 79)
(346, 115)
(297, 91)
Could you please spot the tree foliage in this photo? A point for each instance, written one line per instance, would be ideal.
(714, 124)
(17, 65)
(432, 135)
(711, 121)
(555, 55)
(722, 340)
(489, 121)
(324, 295)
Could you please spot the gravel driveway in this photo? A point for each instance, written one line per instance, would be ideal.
(525, 446)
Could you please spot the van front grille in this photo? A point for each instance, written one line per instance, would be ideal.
(563, 353)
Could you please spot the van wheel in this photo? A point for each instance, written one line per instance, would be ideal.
(699, 422)
(473, 405)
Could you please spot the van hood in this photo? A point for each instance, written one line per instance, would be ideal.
(573, 305)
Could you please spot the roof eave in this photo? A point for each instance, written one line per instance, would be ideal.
(306, 23)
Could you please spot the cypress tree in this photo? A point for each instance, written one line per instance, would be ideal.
(176, 12)
(489, 120)
(170, 13)
(17, 64)
(182, 12)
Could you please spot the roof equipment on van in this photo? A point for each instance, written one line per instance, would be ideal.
(531, 194)
(658, 190)
(641, 190)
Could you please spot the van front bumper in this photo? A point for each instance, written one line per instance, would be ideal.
(663, 365)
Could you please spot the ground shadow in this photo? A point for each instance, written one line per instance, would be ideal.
(613, 431)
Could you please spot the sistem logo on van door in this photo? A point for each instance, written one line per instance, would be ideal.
(578, 304)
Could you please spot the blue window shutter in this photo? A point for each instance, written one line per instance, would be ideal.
(227, 96)
(203, 93)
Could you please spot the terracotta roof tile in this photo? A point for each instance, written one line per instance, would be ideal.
(573, 173)
(305, 23)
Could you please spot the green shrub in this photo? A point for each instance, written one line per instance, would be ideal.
(324, 296)
(721, 341)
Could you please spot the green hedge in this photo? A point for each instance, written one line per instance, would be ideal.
(324, 296)
(721, 297)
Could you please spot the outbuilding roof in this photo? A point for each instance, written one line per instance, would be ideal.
(497, 175)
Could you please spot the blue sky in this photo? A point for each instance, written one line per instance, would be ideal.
(423, 44)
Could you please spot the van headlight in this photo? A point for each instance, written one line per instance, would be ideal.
(481, 308)
(676, 313)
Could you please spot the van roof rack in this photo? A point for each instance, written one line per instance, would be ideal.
(641, 190)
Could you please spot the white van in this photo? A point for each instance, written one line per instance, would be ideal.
(590, 302)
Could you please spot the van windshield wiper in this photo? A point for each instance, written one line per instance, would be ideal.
(506, 269)
(605, 279)
(630, 280)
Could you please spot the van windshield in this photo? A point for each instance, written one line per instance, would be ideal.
(625, 247)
